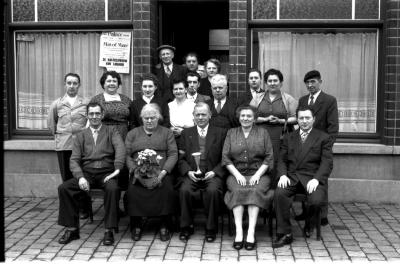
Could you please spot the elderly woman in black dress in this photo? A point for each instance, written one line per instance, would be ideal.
(159, 199)
(248, 156)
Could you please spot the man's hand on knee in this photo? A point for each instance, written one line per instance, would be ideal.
(83, 184)
(284, 181)
(312, 185)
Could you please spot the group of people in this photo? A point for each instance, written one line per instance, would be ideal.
(204, 142)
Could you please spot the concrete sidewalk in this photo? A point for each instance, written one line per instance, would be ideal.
(358, 232)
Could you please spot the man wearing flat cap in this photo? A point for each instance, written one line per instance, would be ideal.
(167, 71)
(326, 117)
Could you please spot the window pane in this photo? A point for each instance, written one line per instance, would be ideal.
(70, 10)
(367, 9)
(264, 9)
(23, 10)
(42, 60)
(315, 9)
(347, 62)
(119, 9)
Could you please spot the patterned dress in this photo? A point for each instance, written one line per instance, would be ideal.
(247, 155)
(116, 113)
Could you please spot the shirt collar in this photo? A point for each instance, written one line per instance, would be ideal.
(147, 99)
(170, 66)
(308, 132)
(315, 95)
(222, 101)
(191, 97)
(93, 129)
(205, 129)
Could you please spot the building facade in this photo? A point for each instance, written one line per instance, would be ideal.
(355, 44)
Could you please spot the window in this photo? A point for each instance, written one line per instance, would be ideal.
(347, 60)
(41, 61)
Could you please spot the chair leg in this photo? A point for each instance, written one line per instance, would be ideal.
(230, 222)
(90, 210)
(307, 222)
(318, 222)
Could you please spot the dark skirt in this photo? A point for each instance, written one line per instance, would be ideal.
(145, 202)
(238, 195)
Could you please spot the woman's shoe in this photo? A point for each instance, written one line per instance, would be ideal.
(164, 234)
(136, 234)
(249, 245)
(238, 245)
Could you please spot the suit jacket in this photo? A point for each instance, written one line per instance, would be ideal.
(201, 98)
(205, 87)
(138, 104)
(326, 114)
(165, 82)
(303, 162)
(189, 143)
(108, 152)
(227, 117)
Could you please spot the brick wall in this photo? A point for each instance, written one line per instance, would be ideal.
(392, 74)
(237, 46)
(4, 80)
(144, 38)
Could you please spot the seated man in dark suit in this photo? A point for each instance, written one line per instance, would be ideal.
(98, 155)
(304, 165)
(209, 141)
(223, 108)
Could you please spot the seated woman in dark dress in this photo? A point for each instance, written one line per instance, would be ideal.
(248, 155)
(159, 199)
(148, 85)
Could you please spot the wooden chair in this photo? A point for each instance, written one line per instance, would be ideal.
(306, 209)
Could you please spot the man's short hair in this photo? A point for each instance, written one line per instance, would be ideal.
(254, 70)
(191, 54)
(93, 105)
(73, 75)
(193, 74)
(273, 72)
(305, 108)
(217, 78)
(180, 80)
(202, 105)
(313, 74)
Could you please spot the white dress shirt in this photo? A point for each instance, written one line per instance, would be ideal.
(181, 115)
(205, 130)
(108, 97)
(222, 103)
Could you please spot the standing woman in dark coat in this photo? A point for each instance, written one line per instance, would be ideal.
(159, 200)
(149, 85)
(116, 106)
(212, 66)
(247, 155)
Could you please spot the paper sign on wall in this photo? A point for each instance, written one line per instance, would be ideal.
(115, 50)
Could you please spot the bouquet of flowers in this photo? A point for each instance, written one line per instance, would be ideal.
(148, 168)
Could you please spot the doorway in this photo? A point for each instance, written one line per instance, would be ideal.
(187, 24)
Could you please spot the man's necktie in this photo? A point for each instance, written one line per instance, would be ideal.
(311, 100)
(218, 108)
(202, 133)
(95, 134)
(168, 71)
(303, 136)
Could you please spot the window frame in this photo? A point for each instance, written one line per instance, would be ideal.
(378, 24)
(14, 27)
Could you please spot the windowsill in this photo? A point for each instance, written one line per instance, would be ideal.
(339, 148)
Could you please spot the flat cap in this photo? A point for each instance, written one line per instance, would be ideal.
(166, 47)
(312, 74)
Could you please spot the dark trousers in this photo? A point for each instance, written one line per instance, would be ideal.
(283, 201)
(211, 194)
(69, 194)
(63, 161)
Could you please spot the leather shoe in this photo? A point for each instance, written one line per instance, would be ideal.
(238, 245)
(108, 238)
(282, 240)
(136, 234)
(68, 236)
(324, 221)
(249, 245)
(210, 236)
(300, 217)
(164, 234)
(307, 231)
(185, 234)
(83, 215)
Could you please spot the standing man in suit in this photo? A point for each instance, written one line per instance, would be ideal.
(98, 155)
(193, 81)
(209, 141)
(304, 165)
(192, 64)
(168, 71)
(223, 108)
(326, 118)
